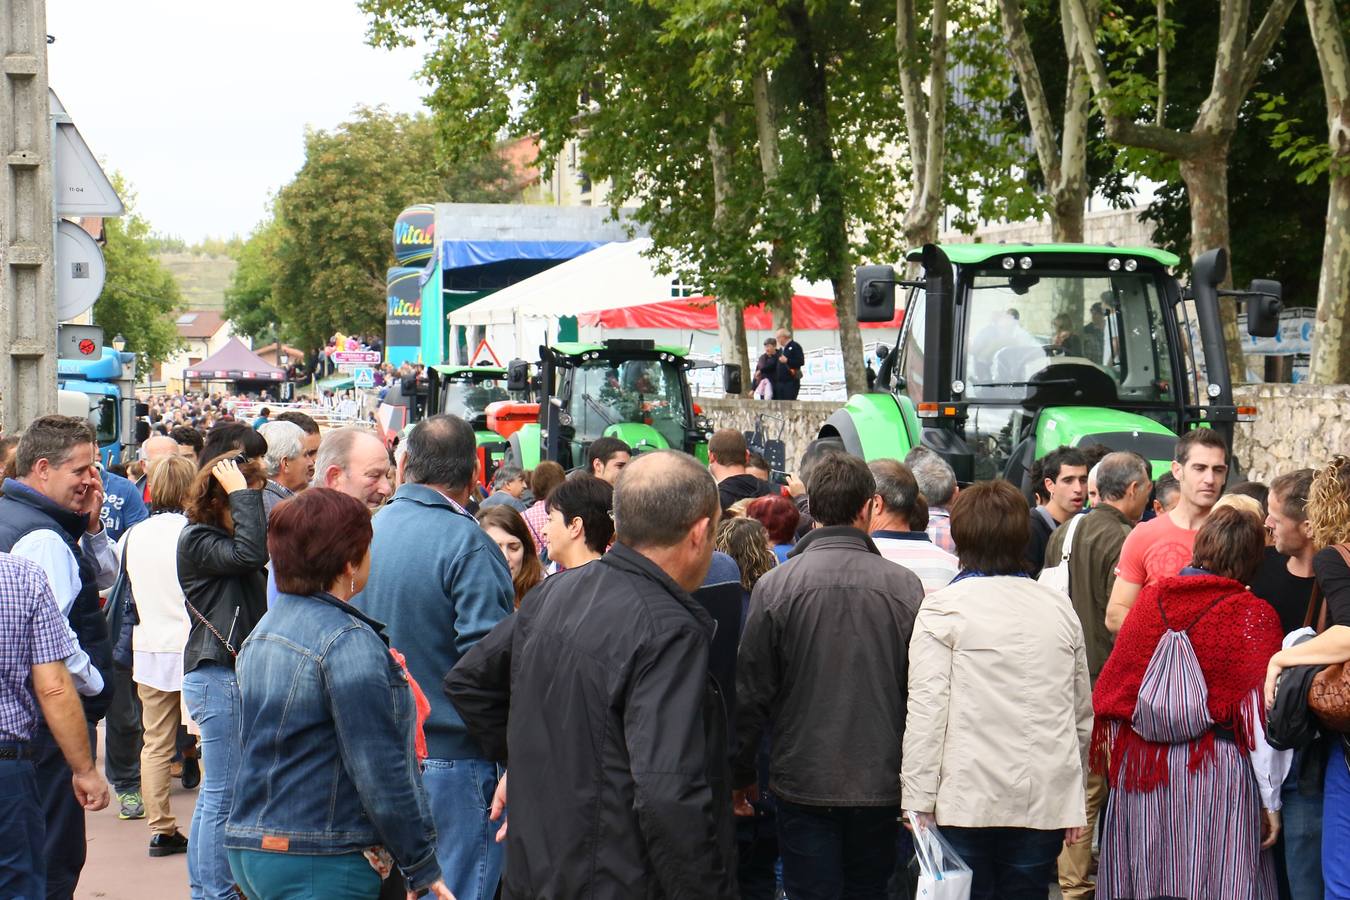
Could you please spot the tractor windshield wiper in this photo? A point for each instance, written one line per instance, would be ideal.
(595, 405)
(1002, 384)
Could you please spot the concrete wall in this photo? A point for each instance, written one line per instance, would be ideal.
(1296, 425)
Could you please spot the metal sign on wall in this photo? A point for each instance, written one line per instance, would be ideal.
(80, 187)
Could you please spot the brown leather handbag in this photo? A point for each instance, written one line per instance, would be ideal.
(1329, 694)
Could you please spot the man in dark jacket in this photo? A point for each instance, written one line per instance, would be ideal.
(1064, 472)
(600, 687)
(50, 515)
(824, 657)
(727, 456)
(791, 360)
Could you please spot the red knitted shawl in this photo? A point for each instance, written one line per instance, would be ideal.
(1233, 643)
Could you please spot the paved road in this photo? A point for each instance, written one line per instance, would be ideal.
(118, 867)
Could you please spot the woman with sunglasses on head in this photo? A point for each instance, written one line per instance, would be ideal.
(221, 558)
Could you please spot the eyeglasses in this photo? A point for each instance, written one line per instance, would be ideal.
(241, 460)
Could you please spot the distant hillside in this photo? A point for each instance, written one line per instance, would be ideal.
(201, 277)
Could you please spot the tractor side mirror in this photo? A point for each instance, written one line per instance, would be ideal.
(875, 293)
(142, 431)
(518, 375)
(1263, 306)
(731, 379)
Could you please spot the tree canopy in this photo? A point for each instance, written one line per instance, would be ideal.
(317, 266)
(140, 297)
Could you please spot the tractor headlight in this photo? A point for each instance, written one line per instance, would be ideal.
(958, 386)
(1131, 265)
(1113, 264)
(565, 419)
(1024, 262)
(1009, 263)
(701, 423)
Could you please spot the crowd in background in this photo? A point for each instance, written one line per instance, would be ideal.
(705, 683)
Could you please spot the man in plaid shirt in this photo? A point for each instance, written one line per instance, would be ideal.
(34, 643)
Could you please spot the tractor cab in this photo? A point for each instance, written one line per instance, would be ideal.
(1007, 352)
(633, 390)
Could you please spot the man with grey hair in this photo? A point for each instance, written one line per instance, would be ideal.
(440, 584)
(899, 518)
(1123, 488)
(353, 460)
(508, 486)
(621, 646)
(937, 484)
(288, 469)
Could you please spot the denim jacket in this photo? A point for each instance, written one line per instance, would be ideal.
(328, 764)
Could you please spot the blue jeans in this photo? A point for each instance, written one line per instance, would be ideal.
(23, 871)
(300, 876)
(1008, 863)
(212, 696)
(832, 852)
(1336, 826)
(1301, 834)
(459, 792)
(64, 845)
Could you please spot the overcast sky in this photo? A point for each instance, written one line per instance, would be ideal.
(203, 106)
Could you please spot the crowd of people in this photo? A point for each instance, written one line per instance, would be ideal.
(699, 682)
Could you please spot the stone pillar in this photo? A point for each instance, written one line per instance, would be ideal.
(27, 257)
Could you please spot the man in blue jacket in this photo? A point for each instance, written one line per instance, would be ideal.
(440, 584)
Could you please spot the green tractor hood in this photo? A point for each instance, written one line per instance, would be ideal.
(1084, 426)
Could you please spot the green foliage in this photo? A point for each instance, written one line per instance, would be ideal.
(248, 299)
(1277, 184)
(318, 266)
(140, 298)
(643, 85)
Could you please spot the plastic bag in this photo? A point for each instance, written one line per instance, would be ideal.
(943, 875)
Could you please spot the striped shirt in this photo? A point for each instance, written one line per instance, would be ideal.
(916, 551)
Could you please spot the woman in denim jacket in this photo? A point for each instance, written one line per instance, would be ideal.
(329, 795)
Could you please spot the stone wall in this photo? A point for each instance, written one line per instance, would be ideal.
(1296, 425)
(801, 419)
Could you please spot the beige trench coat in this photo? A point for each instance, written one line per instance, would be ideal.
(1000, 707)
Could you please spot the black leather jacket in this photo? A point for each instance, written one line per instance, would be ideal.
(599, 686)
(223, 578)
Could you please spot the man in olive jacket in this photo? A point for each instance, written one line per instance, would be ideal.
(599, 687)
(825, 659)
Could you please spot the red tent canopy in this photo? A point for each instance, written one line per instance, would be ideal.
(234, 362)
(700, 314)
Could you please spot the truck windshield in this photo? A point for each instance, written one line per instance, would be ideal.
(1019, 323)
(646, 391)
(103, 416)
(469, 399)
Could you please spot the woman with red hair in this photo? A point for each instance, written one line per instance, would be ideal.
(780, 518)
(1180, 730)
(330, 796)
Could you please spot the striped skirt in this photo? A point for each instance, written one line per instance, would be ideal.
(1197, 837)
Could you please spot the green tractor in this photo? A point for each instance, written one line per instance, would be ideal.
(1009, 351)
(633, 390)
(477, 394)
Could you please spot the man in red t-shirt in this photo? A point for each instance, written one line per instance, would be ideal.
(1162, 546)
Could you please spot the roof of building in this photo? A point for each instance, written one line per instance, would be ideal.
(200, 324)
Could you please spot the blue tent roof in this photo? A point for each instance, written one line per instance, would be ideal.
(465, 254)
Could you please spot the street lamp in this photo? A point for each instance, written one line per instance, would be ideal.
(119, 343)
